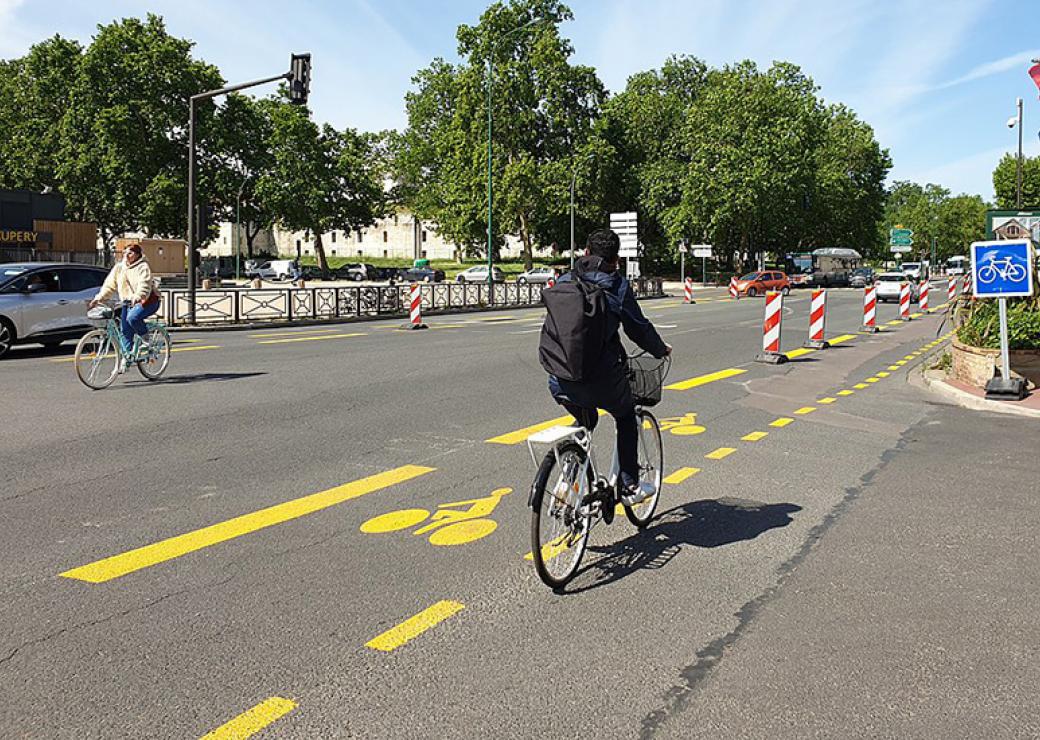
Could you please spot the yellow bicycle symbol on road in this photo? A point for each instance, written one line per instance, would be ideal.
(684, 426)
(449, 525)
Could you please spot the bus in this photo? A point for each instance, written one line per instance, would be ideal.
(822, 267)
(957, 265)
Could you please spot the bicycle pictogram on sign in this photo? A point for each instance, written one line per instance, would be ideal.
(1002, 268)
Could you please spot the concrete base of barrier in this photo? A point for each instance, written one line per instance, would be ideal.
(414, 327)
(1006, 389)
(772, 358)
(816, 344)
(869, 329)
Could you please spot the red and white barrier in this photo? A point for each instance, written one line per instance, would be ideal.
(817, 319)
(733, 288)
(550, 282)
(951, 289)
(966, 285)
(415, 308)
(870, 309)
(771, 329)
(688, 291)
(904, 301)
(922, 296)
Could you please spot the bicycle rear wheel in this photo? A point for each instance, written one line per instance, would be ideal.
(651, 464)
(559, 531)
(97, 361)
(157, 358)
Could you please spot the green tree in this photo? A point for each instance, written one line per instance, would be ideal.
(1005, 182)
(930, 211)
(962, 220)
(320, 179)
(544, 111)
(123, 157)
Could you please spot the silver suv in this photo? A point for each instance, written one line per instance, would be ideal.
(45, 302)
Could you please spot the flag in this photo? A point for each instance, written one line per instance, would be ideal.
(1034, 72)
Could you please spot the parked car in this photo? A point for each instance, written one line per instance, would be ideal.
(359, 271)
(889, 285)
(420, 275)
(757, 283)
(861, 277)
(45, 302)
(479, 274)
(273, 270)
(537, 275)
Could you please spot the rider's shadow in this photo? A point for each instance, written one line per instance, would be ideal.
(707, 523)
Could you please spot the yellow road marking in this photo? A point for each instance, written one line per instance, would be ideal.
(681, 474)
(755, 436)
(173, 349)
(916, 315)
(781, 422)
(893, 367)
(845, 392)
(270, 334)
(559, 545)
(312, 339)
(800, 352)
(805, 410)
(860, 386)
(828, 400)
(908, 357)
(842, 339)
(520, 435)
(174, 547)
(412, 627)
(685, 385)
(883, 374)
(897, 322)
(721, 453)
(252, 720)
(873, 380)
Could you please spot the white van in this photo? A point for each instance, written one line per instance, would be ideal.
(957, 265)
(273, 270)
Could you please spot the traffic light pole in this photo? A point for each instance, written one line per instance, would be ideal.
(192, 111)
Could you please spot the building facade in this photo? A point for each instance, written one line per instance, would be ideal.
(33, 227)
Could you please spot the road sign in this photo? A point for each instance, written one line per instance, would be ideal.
(626, 226)
(900, 232)
(900, 249)
(702, 250)
(900, 237)
(683, 247)
(1002, 269)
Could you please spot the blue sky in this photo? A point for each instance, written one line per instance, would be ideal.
(937, 79)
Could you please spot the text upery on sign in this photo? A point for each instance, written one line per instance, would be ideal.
(1002, 269)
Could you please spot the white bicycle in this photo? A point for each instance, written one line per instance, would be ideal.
(1005, 269)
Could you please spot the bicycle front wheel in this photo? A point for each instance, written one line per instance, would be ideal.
(97, 361)
(157, 353)
(559, 530)
(651, 465)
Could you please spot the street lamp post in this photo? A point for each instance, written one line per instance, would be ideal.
(1018, 171)
(574, 177)
(238, 227)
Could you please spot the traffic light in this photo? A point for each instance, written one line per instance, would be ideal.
(299, 79)
(203, 222)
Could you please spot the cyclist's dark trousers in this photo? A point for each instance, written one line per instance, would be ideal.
(613, 395)
(132, 322)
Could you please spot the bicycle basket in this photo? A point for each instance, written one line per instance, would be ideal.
(99, 315)
(645, 377)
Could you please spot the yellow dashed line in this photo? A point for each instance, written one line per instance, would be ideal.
(721, 453)
(845, 393)
(860, 386)
(842, 339)
(827, 401)
(412, 627)
(781, 422)
(883, 374)
(893, 367)
(755, 436)
(805, 410)
(253, 720)
(800, 352)
(681, 474)
(684, 385)
(873, 380)
(312, 339)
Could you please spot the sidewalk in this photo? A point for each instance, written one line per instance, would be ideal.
(914, 615)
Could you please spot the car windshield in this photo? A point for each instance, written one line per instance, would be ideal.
(750, 276)
(10, 272)
(891, 278)
(911, 265)
(861, 271)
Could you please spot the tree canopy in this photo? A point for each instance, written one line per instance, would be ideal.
(929, 210)
(1005, 181)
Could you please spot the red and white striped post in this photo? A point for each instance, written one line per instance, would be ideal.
(870, 309)
(415, 308)
(771, 330)
(951, 289)
(733, 289)
(922, 296)
(966, 285)
(904, 301)
(817, 320)
(550, 282)
(688, 291)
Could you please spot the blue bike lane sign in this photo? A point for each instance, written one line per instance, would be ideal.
(1002, 269)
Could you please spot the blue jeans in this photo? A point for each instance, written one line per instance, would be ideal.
(131, 322)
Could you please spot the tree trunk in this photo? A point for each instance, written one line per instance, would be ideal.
(525, 239)
(319, 252)
(250, 237)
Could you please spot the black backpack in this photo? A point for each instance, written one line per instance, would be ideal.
(574, 335)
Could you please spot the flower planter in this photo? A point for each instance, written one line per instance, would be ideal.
(1026, 362)
(973, 365)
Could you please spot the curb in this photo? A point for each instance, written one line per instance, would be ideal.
(932, 380)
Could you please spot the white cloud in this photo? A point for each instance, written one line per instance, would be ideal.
(13, 40)
(969, 174)
(1020, 60)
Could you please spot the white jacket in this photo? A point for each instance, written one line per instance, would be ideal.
(132, 282)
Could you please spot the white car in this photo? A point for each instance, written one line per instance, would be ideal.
(273, 270)
(479, 274)
(914, 270)
(537, 275)
(889, 285)
(45, 302)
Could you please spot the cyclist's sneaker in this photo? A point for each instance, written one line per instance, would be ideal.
(637, 493)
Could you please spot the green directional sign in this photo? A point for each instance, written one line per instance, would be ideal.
(900, 233)
(899, 241)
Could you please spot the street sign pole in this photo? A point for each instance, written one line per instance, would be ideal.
(704, 274)
(682, 267)
(1005, 360)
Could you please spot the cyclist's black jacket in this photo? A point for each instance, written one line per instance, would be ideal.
(624, 312)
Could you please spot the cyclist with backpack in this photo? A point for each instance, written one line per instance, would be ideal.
(580, 348)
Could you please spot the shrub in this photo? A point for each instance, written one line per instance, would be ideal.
(981, 328)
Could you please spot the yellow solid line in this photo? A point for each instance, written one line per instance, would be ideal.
(755, 436)
(805, 410)
(174, 547)
(916, 315)
(175, 349)
(312, 339)
(842, 339)
(845, 393)
(685, 385)
(781, 422)
(828, 400)
(298, 332)
(681, 474)
(252, 720)
(520, 435)
(800, 352)
(721, 453)
(412, 627)
(897, 322)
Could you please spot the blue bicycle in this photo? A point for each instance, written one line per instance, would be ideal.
(99, 354)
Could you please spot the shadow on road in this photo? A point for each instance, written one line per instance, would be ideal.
(185, 379)
(707, 523)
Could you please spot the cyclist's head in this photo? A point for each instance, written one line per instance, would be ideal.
(133, 253)
(605, 244)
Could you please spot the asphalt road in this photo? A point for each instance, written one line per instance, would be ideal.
(179, 555)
